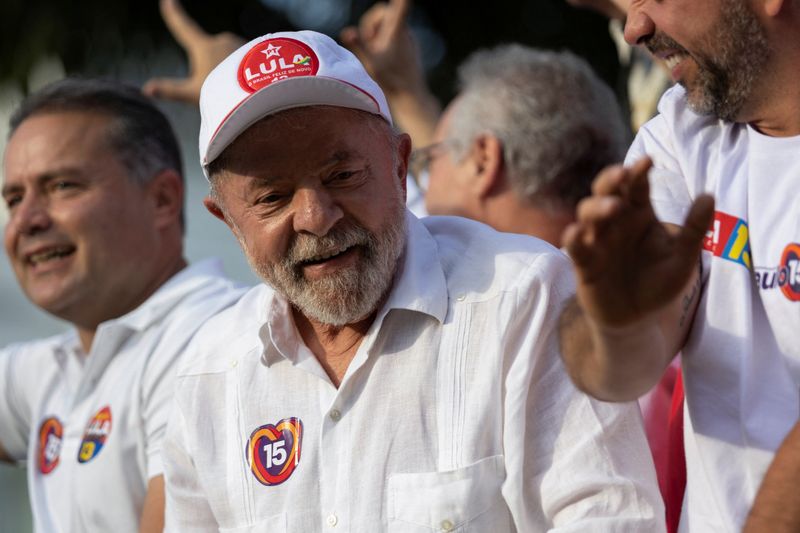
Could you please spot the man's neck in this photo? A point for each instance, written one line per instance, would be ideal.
(779, 114)
(87, 325)
(776, 111)
(509, 215)
(333, 346)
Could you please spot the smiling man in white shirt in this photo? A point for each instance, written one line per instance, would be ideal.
(94, 190)
(664, 268)
(393, 374)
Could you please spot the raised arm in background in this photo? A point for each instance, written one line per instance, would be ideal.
(205, 52)
(382, 41)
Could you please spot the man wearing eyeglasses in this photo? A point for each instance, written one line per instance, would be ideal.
(520, 145)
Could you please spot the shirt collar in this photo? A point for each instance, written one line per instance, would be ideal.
(170, 294)
(419, 286)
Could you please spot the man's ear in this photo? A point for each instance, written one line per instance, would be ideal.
(772, 8)
(214, 208)
(486, 154)
(403, 155)
(166, 190)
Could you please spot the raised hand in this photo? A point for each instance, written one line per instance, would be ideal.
(628, 264)
(205, 52)
(383, 43)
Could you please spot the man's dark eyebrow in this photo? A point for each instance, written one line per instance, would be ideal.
(256, 182)
(43, 179)
(342, 155)
(260, 181)
(11, 189)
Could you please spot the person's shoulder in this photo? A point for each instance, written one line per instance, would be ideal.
(476, 256)
(31, 361)
(42, 347)
(232, 330)
(204, 288)
(200, 292)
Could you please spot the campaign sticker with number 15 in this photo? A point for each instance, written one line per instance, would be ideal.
(273, 450)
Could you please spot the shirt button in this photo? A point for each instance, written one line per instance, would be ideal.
(335, 415)
(447, 525)
(234, 362)
(461, 297)
(332, 520)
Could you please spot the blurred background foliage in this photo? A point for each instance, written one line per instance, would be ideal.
(108, 38)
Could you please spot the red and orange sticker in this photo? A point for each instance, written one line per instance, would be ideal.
(789, 276)
(273, 451)
(51, 433)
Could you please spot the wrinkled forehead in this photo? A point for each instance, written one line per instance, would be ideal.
(307, 134)
(316, 118)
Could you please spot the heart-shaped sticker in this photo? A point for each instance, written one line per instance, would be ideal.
(273, 450)
(50, 434)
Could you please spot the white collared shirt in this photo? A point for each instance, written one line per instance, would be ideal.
(455, 414)
(91, 426)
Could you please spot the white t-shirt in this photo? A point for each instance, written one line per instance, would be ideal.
(741, 362)
(455, 412)
(91, 426)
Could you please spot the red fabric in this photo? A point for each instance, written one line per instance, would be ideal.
(676, 459)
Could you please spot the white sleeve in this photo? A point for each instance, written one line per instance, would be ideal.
(573, 464)
(15, 408)
(669, 193)
(187, 508)
(158, 388)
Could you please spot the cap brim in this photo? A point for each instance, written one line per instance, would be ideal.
(287, 94)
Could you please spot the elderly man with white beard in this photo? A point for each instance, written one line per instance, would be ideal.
(392, 374)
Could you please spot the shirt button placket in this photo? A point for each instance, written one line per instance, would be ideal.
(332, 486)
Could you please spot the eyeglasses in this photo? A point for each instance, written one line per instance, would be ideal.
(421, 160)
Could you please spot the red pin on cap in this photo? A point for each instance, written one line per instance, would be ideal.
(276, 59)
(276, 72)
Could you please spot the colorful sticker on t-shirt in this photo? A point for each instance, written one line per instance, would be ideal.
(273, 451)
(95, 436)
(790, 264)
(786, 276)
(51, 432)
(729, 238)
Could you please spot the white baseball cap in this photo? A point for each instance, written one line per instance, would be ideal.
(279, 71)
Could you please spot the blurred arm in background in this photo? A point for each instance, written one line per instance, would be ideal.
(384, 44)
(205, 52)
(382, 41)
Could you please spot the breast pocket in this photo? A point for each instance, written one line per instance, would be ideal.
(463, 500)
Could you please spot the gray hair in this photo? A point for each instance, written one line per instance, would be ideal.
(558, 123)
(139, 133)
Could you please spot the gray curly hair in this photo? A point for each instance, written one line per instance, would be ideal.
(558, 123)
